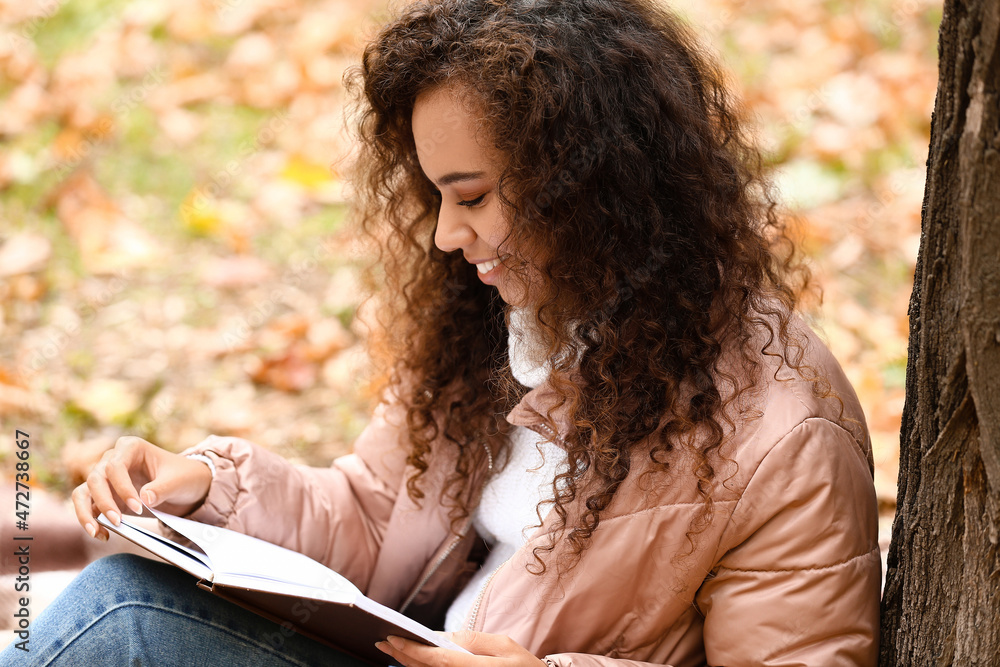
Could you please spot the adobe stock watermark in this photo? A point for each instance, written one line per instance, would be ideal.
(815, 100)
(303, 609)
(899, 184)
(224, 7)
(725, 18)
(159, 410)
(121, 107)
(55, 341)
(902, 11)
(30, 28)
(201, 198)
(299, 268)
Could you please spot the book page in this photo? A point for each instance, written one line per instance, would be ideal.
(430, 636)
(272, 580)
(176, 554)
(234, 556)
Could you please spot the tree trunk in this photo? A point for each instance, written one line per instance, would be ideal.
(941, 604)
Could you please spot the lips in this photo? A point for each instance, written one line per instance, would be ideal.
(487, 266)
(490, 269)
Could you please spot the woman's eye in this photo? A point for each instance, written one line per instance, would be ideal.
(472, 202)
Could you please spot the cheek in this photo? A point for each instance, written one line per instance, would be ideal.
(495, 231)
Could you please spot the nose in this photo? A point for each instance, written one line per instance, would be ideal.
(452, 232)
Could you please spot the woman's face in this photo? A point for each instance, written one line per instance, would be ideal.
(454, 157)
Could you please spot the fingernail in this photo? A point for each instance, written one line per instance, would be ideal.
(103, 537)
(382, 646)
(134, 505)
(91, 529)
(150, 498)
(114, 517)
(396, 642)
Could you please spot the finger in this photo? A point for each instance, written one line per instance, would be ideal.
(490, 647)
(398, 656)
(121, 482)
(84, 507)
(102, 533)
(100, 492)
(484, 643)
(416, 654)
(130, 453)
(181, 482)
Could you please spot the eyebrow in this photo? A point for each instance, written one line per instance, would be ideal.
(456, 176)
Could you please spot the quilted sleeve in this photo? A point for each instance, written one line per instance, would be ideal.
(799, 575)
(335, 515)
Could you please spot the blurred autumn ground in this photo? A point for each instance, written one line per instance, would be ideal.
(174, 258)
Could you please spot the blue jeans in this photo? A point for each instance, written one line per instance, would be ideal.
(129, 610)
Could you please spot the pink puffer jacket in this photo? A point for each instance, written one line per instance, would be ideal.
(786, 572)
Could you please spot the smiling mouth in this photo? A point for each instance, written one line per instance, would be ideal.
(486, 267)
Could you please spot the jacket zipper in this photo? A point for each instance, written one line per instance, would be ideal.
(454, 543)
(544, 430)
(549, 433)
(451, 547)
(482, 592)
(437, 564)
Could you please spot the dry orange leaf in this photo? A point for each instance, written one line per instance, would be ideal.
(106, 239)
(289, 371)
(234, 272)
(24, 253)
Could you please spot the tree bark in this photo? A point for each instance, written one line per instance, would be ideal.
(941, 604)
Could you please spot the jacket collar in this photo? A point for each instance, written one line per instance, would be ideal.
(543, 400)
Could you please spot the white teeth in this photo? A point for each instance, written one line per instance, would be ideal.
(486, 267)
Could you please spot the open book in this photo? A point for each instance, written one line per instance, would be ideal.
(287, 587)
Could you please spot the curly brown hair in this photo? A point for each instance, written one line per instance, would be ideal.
(625, 155)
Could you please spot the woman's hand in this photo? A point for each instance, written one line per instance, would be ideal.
(174, 483)
(490, 651)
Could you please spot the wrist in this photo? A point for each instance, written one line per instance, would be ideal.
(207, 461)
(204, 481)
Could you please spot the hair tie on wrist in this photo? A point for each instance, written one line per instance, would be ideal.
(207, 461)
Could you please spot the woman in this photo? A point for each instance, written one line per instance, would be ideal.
(611, 439)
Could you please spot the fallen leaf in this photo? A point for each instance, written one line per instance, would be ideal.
(24, 253)
(309, 175)
(180, 125)
(234, 272)
(23, 107)
(325, 338)
(107, 241)
(108, 400)
(16, 399)
(288, 371)
(342, 371)
(79, 457)
(27, 288)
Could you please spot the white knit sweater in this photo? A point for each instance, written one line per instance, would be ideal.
(506, 514)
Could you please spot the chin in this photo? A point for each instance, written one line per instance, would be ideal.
(516, 301)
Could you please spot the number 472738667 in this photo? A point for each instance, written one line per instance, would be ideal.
(22, 477)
